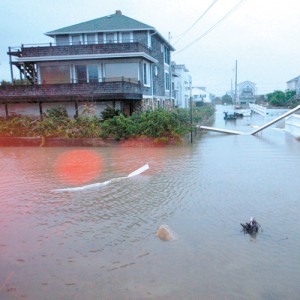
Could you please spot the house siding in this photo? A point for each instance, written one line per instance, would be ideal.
(159, 80)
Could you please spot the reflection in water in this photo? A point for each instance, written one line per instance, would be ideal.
(102, 243)
(78, 166)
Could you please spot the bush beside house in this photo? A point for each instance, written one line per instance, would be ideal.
(153, 124)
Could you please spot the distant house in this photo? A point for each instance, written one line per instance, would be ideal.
(114, 60)
(292, 123)
(201, 95)
(182, 85)
(294, 85)
(246, 93)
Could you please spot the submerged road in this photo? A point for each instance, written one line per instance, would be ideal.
(221, 130)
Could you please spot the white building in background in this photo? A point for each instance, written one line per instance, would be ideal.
(291, 85)
(294, 85)
(246, 93)
(292, 123)
(182, 85)
(201, 95)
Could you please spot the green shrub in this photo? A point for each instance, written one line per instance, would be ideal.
(110, 112)
(16, 126)
(84, 127)
(117, 127)
(154, 124)
(57, 113)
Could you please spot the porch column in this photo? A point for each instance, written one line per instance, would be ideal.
(76, 109)
(6, 110)
(41, 110)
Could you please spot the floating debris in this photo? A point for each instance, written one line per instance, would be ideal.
(252, 227)
(101, 184)
(165, 233)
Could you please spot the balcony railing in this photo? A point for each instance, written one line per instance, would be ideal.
(113, 90)
(52, 49)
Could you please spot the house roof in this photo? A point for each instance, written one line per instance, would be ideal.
(110, 23)
(294, 79)
(246, 82)
(180, 67)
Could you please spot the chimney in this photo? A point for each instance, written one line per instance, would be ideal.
(118, 12)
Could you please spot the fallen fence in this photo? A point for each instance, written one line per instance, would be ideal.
(258, 109)
(290, 112)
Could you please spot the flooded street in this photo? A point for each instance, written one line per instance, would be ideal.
(101, 243)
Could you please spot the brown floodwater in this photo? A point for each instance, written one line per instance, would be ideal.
(99, 242)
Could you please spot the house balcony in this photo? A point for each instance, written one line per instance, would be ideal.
(246, 93)
(115, 89)
(38, 51)
(27, 58)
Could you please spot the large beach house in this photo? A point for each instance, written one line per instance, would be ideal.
(246, 93)
(113, 60)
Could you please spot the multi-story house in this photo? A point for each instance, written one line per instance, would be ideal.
(182, 85)
(292, 123)
(294, 85)
(114, 60)
(246, 93)
(201, 95)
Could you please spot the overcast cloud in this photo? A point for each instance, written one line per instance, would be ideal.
(262, 35)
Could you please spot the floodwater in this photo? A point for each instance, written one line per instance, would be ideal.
(100, 242)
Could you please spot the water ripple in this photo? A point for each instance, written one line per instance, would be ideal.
(203, 192)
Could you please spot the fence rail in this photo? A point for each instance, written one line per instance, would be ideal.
(258, 109)
(53, 44)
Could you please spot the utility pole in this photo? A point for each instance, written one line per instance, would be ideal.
(235, 95)
(231, 93)
(191, 110)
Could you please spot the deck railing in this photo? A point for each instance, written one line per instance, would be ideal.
(50, 49)
(69, 92)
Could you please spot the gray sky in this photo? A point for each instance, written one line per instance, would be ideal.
(262, 35)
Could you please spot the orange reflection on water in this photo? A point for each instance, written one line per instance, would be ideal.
(78, 166)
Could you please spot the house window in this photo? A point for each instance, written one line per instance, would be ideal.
(126, 37)
(93, 73)
(167, 81)
(149, 40)
(62, 40)
(100, 38)
(120, 71)
(54, 74)
(110, 38)
(166, 55)
(80, 73)
(91, 38)
(76, 39)
(146, 74)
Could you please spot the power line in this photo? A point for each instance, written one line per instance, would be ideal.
(187, 30)
(213, 27)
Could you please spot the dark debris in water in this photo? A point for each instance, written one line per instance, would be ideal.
(252, 227)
